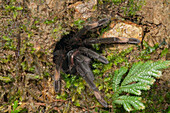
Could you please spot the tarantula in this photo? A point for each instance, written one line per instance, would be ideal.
(72, 56)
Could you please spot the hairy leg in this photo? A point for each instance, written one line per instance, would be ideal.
(111, 40)
(58, 60)
(81, 69)
(89, 27)
(93, 54)
(75, 58)
(57, 80)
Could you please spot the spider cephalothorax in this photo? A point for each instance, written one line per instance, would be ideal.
(72, 56)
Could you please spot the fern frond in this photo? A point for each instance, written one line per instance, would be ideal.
(117, 77)
(135, 88)
(127, 107)
(145, 69)
(133, 69)
(146, 79)
(155, 73)
(160, 64)
(136, 68)
(140, 77)
(130, 101)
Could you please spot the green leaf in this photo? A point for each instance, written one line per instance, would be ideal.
(146, 79)
(79, 23)
(73, 98)
(19, 8)
(127, 107)
(117, 77)
(6, 38)
(79, 89)
(126, 51)
(76, 84)
(15, 13)
(128, 101)
(77, 103)
(5, 79)
(164, 52)
(135, 88)
(160, 64)
(15, 104)
(96, 71)
(68, 84)
(140, 70)
(155, 73)
(107, 67)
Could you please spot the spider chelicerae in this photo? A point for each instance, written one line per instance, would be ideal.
(72, 55)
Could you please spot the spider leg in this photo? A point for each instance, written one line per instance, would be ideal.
(84, 72)
(57, 80)
(98, 24)
(89, 27)
(92, 26)
(83, 62)
(112, 40)
(58, 61)
(93, 54)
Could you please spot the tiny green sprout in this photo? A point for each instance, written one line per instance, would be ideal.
(49, 21)
(19, 8)
(6, 38)
(5, 79)
(164, 52)
(9, 43)
(77, 103)
(13, 9)
(37, 77)
(16, 109)
(46, 74)
(33, 50)
(145, 53)
(117, 2)
(79, 23)
(32, 69)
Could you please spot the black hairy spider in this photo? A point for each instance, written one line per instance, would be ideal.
(72, 56)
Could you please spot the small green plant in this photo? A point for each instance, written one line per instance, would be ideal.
(117, 1)
(145, 53)
(140, 77)
(133, 6)
(114, 59)
(5, 79)
(75, 84)
(9, 43)
(52, 21)
(164, 52)
(128, 7)
(16, 109)
(79, 23)
(12, 8)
